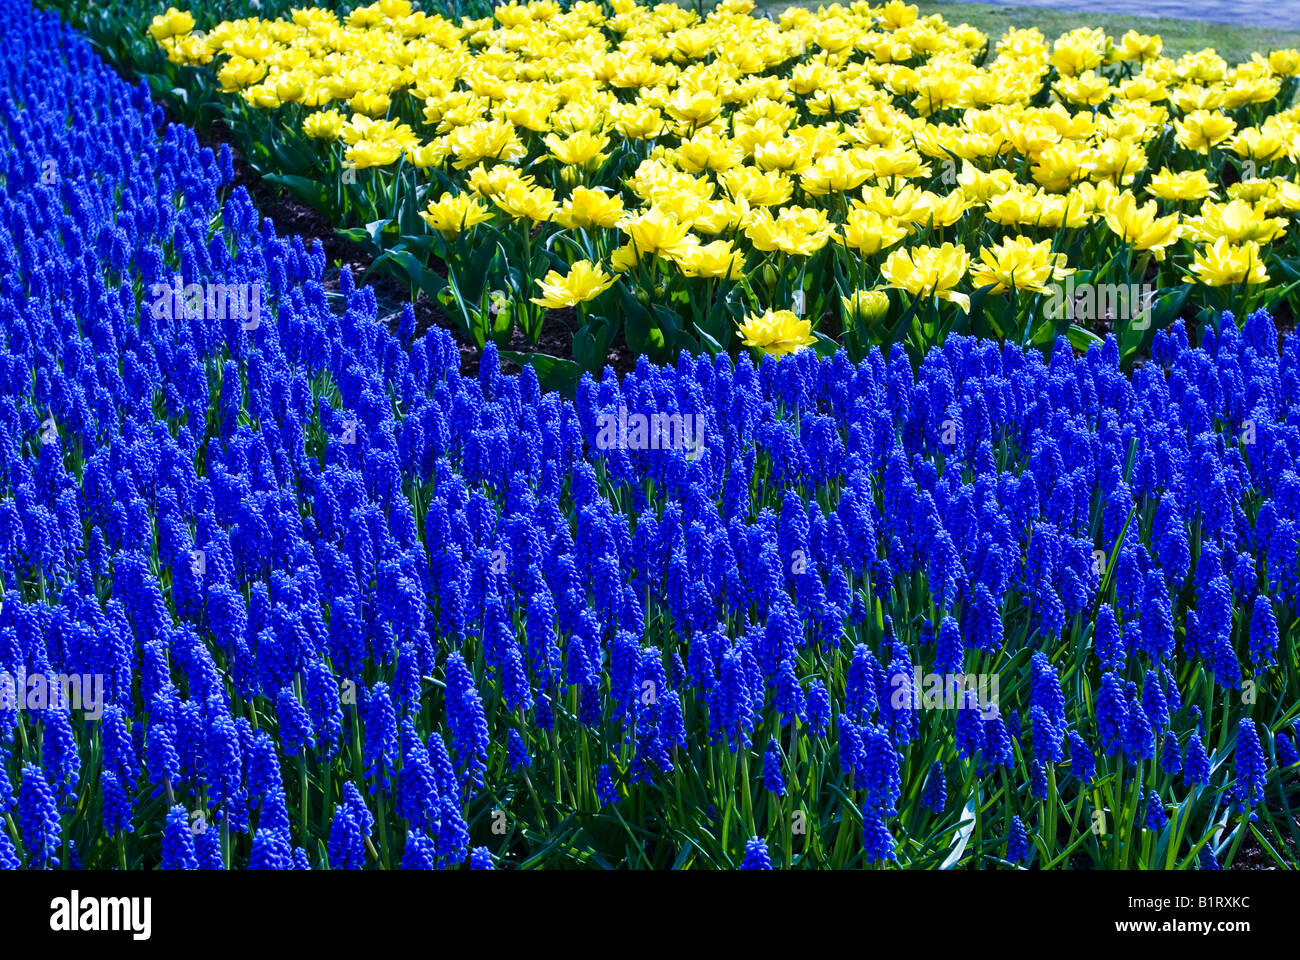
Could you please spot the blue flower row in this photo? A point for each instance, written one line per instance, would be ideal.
(301, 551)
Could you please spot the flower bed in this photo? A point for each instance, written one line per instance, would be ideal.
(349, 608)
(847, 176)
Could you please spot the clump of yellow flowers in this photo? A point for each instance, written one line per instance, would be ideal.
(777, 332)
(731, 148)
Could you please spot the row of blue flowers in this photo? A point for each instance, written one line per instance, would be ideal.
(350, 608)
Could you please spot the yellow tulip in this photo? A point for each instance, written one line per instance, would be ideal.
(583, 282)
(655, 232)
(795, 230)
(581, 149)
(261, 96)
(485, 140)
(1087, 89)
(1223, 264)
(719, 258)
(453, 213)
(693, 106)
(494, 181)
(777, 332)
(1019, 263)
(528, 203)
(1258, 145)
(930, 271)
(425, 155)
(1285, 63)
(173, 23)
(1137, 46)
(1182, 185)
(869, 232)
(1236, 220)
(372, 103)
(1141, 226)
(1202, 129)
(864, 307)
(586, 207)
(372, 153)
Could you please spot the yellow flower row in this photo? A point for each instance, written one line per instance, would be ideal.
(781, 136)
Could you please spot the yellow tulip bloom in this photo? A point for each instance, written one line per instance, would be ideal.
(581, 149)
(929, 271)
(1020, 264)
(777, 332)
(586, 207)
(795, 230)
(1236, 220)
(693, 106)
(372, 153)
(485, 140)
(528, 203)
(655, 232)
(1202, 129)
(453, 213)
(173, 23)
(869, 232)
(1223, 264)
(1182, 185)
(583, 282)
(1141, 226)
(864, 307)
(719, 258)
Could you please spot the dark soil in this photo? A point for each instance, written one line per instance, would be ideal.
(291, 216)
(1251, 856)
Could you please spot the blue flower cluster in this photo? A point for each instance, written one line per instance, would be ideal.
(291, 539)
